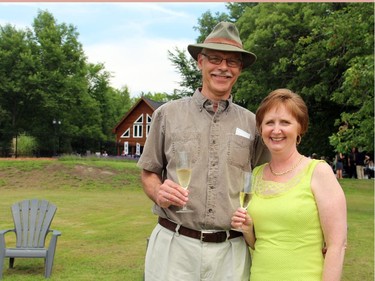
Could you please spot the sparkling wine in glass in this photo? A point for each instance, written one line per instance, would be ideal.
(183, 170)
(245, 194)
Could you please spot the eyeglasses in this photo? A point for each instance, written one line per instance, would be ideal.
(231, 62)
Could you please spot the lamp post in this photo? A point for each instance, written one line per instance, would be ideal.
(55, 123)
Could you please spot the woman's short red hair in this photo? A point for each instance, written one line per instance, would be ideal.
(293, 103)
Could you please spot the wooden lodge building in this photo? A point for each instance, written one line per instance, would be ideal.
(131, 132)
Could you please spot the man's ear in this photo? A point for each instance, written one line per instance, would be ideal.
(199, 61)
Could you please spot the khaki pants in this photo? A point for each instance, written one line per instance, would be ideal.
(172, 257)
(360, 172)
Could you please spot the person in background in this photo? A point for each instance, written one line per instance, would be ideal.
(369, 167)
(339, 165)
(297, 206)
(360, 164)
(223, 141)
(352, 160)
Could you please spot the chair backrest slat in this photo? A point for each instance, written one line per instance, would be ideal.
(47, 212)
(32, 222)
(32, 219)
(16, 211)
(24, 223)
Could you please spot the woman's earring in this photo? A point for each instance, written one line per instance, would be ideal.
(299, 138)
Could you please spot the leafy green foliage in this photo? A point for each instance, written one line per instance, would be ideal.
(207, 22)
(187, 67)
(159, 97)
(18, 72)
(24, 145)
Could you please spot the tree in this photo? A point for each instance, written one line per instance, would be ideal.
(356, 125)
(18, 74)
(207, 22)
(121, 98)
(308, 48)
(62, 83)
(236, 9)
(159, 97)
(191, 76)
(356, 92)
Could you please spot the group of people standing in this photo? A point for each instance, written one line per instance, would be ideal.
(296, 221)
(356, 164)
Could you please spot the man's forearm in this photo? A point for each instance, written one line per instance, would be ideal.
(151, 183)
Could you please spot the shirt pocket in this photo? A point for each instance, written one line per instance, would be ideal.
(239, 151)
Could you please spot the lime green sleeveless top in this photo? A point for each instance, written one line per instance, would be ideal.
(289, 238)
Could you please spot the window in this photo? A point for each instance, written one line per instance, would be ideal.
(126, 134)
(148, 124)
(138, 127)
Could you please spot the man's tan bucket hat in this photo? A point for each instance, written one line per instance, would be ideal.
(224, 37)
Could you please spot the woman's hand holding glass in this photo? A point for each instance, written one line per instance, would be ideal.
(241, 221)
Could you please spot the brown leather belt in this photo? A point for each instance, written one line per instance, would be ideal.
(204, 236)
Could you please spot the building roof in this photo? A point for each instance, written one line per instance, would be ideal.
(151, 103)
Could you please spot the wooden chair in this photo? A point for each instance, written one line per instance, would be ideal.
(32, 220)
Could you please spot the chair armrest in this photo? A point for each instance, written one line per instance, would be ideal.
(2, 232)
(2, 237)
(55, 232)
(53, 241)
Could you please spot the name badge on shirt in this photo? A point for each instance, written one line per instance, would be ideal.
(242, 133)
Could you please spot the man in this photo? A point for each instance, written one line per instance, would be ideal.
(360, 164)
(223, 142)
(352, 160)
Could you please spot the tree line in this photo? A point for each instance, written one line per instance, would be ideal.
(50, 92)
(323, 51)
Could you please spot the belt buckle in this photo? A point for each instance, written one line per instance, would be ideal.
(203, 232)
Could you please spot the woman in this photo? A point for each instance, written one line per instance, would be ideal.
(339, 165)
(298, 205)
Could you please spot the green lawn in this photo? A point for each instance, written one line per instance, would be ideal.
(105, 219)
(359, 259)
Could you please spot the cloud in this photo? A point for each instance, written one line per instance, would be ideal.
(131, 39)
(142, 64)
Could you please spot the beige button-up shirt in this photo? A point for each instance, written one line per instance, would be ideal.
(223, 143)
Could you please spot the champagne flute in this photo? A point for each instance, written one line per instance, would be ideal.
(183, 170)
(245, 194)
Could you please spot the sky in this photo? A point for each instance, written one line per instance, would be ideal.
(131, 39)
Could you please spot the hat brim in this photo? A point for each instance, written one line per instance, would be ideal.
(248, 57)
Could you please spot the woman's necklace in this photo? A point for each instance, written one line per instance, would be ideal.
(287, 171)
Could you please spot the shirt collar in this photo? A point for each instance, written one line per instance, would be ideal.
(207, 104)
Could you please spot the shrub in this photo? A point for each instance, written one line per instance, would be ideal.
(26, 145)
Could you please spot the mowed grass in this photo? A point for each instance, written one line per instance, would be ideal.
(103, 215)
(105, 219)
(359, 259)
